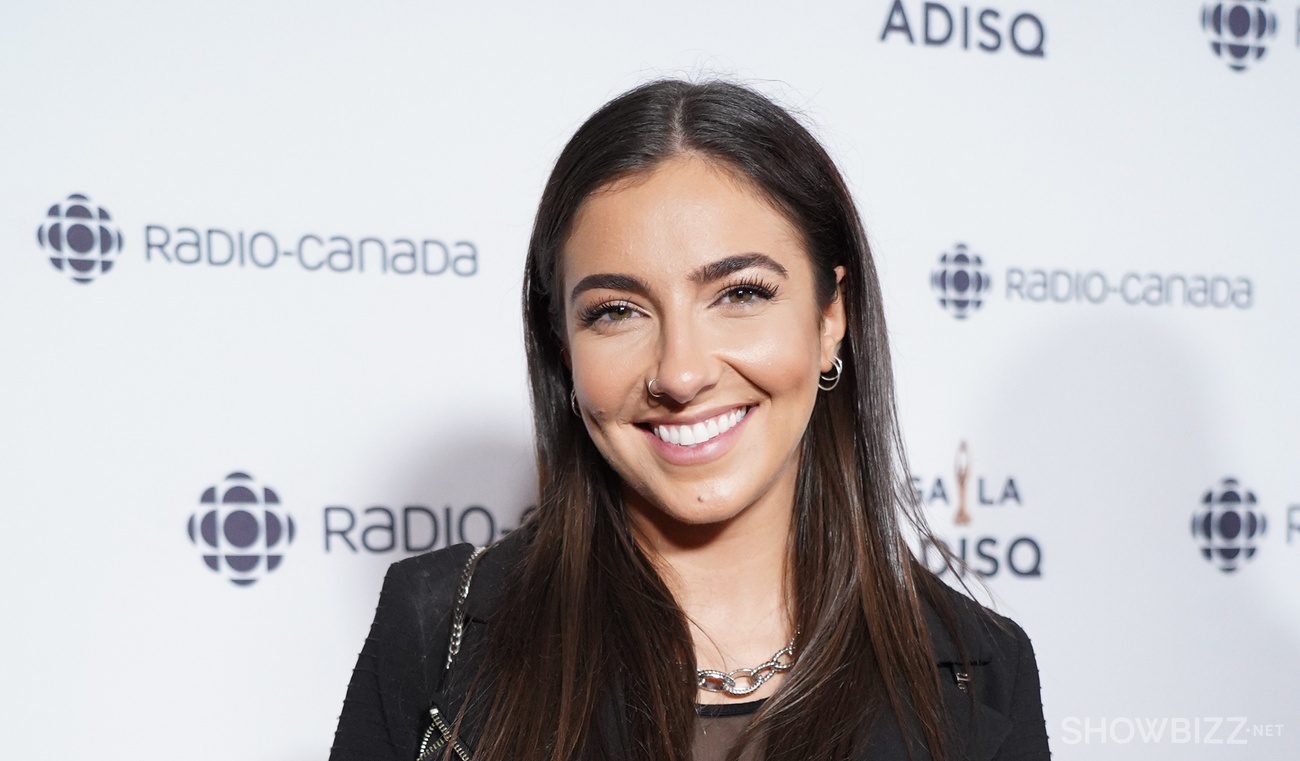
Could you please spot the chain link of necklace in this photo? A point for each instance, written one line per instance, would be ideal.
(742, 682)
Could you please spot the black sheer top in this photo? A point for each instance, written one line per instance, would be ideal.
(718, 726)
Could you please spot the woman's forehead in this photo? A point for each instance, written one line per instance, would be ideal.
(674, 218)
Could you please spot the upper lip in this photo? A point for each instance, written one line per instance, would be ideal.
(692, 419)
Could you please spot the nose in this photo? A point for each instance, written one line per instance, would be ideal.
(687, 366)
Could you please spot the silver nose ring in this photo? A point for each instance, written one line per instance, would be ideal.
(650, 386)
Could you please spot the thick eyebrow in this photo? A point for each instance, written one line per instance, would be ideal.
(705, 274)
(610, 281)
(732, 264)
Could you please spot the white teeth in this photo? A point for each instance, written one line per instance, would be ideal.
(690, 435)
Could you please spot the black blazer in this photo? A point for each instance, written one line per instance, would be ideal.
(399, 673)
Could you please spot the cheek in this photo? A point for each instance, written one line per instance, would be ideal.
(783, 357)
(603, 383)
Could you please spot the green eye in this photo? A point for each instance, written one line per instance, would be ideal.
(619, 312)
(741, 295)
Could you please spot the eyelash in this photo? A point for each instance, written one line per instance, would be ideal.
(760, 288)
(591, 315)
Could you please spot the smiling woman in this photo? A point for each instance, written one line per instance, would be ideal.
(717, 568)
(688, 280)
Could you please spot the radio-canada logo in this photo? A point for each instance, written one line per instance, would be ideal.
(1228, 525)
(241, 529)
(960, 281)
(80, 238)
(1239, 31)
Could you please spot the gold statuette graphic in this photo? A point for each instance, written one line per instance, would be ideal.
(962, 470)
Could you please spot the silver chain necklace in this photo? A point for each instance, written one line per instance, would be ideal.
(744, 681)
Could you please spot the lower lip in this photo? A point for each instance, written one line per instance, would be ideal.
(699, 454)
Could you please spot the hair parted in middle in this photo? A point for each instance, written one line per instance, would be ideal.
(586, 625)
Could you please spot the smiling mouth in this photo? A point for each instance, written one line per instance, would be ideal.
(698, 433)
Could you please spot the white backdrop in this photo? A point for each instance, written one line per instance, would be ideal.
(1120, 165)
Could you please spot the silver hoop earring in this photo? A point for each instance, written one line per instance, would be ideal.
(650, 387)
(573, 401)
(827, 382)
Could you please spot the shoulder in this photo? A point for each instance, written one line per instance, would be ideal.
(982, 632)
(988, 658)
(414, 609)
(998, 654)
(430, 581)
(964, 631)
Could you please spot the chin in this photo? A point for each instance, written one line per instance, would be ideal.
(703, 506)
(706, 516)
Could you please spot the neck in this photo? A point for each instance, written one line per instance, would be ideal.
(730, 579)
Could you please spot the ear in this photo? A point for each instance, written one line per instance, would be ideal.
(833, 324)
(568, 361)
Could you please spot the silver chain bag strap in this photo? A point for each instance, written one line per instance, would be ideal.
(438, 734)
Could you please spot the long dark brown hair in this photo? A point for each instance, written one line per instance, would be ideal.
(586, 625)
